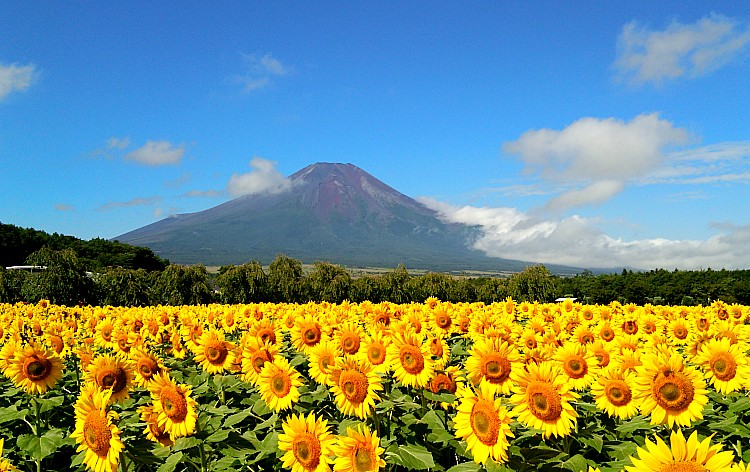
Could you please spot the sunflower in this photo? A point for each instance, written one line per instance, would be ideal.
(681, 455)
(153, 431)
(484, 423)
(175, 407)
(213, 353)
(354, 385)
(670, 391)
(7, 354)
(602, 352)
(410, 359)
(104, 334)
(605, 331)
(306, 334)
(322, 358)
(111, 373)
(577, 364)
(447, 380)
(439, 349)
(374, 350)
(491, 362)
(279, 384)
(147, 364)
(266, 330)
(724, 364)
(34, 369)
(348, 337)
(542, 399)
(307, 444)
(441, 319)
(255, 354)
(94, 431)
(5, 466)
(613, 393)
(530, 339)
(358, 451)
(679, 331)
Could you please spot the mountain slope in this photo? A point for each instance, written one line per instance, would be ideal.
(332, 212)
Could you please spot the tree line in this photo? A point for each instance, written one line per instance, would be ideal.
(67, 280)
(17, 244)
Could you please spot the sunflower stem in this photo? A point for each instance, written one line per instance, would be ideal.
(37, 428)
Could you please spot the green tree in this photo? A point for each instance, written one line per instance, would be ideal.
(246, 283)
(63, 282)
(395, 285)
(183, 285)
(11, 283)
(533, 284)
(328, 283)
(429, 285)
(285, 280)
(123, 287)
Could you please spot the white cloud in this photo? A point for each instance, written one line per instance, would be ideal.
(596, 156)
(15, 78)
(203, 194)
(64, 207)
(157, 153)
(681, 49)
(261, 70)
(148, 201)
(118, 143)
(264, 178)
(577, 242)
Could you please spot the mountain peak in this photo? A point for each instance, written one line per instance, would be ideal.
(332, 212)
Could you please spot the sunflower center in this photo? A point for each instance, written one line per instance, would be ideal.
(174, 404)
(350, 343)
(376, 354)
(680, 332)
(353, 384)
(530, 342)
(484, 422)
(281, 384)
(114, 378)
(630, 327)
(55, 340)
(673, 392)
(96, 433)
(544, 401)
(682, 466)
(267, 335)
(576, 367)
(363, 460)
(443, 321)
(147, 368)
(496, 368)
(724, 366)
(436, 349)
(37, 368)
(618, 393)
(216, 353)
(259, 359)
(649, 327)
(307, 451)
(442, 382)
(607, 334)
(311, 336)
(412, 359)
(602, 358)
(107, 333)
(587, 338)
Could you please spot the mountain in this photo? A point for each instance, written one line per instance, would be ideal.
(330, 212)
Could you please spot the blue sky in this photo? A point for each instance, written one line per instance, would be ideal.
(595, 134)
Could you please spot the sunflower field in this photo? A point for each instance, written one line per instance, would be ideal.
(439, 386)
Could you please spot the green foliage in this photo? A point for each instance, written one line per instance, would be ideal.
(246, 283)
(533, 284)
(63, 282)
(183, 285)
(124, 287)
(328, 283)
(17, 244)
(285, 280)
